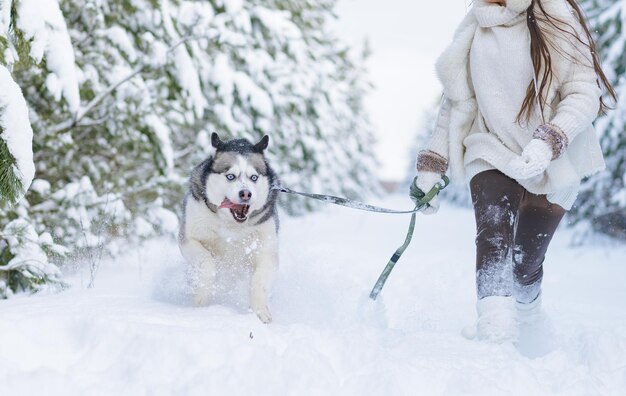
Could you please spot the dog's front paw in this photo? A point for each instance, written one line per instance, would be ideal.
(263, 313)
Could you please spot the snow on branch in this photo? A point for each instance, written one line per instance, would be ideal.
(15, 131)
(84, 111)
(42, 22)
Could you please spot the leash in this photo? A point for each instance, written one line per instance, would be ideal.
(422, 200)
(348, 203)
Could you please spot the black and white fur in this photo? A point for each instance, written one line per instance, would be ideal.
(212, 237)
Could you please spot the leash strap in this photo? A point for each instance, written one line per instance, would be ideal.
(349, 203)
(378, 286)
(422, 201)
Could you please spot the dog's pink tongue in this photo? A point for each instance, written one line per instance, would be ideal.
(228, 204)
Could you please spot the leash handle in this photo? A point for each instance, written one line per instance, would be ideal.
(421, 198)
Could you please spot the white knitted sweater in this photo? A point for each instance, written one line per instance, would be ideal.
(486, 72)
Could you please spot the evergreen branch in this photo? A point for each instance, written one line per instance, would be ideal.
(19, 237)
(45, 207)
(185, 152)
(91, 122)
(20, 264)
(81, 113)
(11, 188)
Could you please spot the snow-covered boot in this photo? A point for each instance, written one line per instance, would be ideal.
(496, 320)
(531, 313)
(536, 334)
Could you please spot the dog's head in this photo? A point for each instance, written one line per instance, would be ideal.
(237, 179)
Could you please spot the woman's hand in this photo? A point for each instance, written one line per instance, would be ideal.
(425, 181)
(534, 160)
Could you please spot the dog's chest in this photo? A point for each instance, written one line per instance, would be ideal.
(220, 238)
(240, 249)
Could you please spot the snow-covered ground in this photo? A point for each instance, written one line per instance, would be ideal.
(136, 333)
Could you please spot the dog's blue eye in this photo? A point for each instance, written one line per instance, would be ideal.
(254, 178)
(230, 177)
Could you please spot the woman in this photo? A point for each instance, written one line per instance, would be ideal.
(522, 86)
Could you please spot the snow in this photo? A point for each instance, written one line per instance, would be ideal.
(40, 186)
(28, 258)
(159, 51)
(259, 99)
(29, 252)
(5, 17)
(136, 332)
(166, 220)
(9, 54)
(279, 23)
(189, 79)
(195, 14)
(222, 75)
(232, 6)
(162, 133)
(119, 37)
(187, 74)
(42, 22)
(16, 129)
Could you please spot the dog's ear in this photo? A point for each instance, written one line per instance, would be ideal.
(215, 140)
(262, 144)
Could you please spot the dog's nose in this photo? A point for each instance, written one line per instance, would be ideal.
(245, 195)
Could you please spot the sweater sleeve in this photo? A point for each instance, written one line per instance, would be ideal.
(579, 89)
(440, 140)
(434, 159)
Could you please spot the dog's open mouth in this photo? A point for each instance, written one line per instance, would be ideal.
(239, 212)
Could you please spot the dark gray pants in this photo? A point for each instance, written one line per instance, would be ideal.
(513, 231)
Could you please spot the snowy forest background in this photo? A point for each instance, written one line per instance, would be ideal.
(119, 97)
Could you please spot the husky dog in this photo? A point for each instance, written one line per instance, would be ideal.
(229, 216)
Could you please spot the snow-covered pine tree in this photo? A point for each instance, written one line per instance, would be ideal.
(155, 79)
(29, 31)
(276, 69)
(16, 162)
(603, 197)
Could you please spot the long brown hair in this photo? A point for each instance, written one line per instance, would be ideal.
(540, 44)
